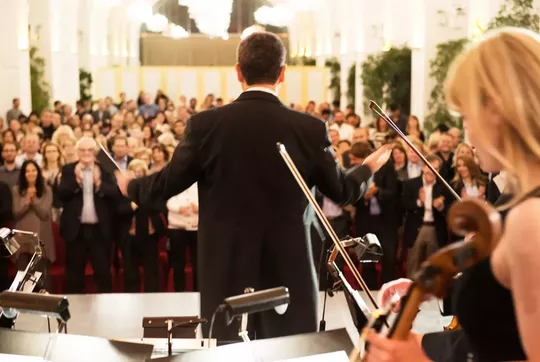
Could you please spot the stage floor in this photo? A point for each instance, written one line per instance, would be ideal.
(119, 316)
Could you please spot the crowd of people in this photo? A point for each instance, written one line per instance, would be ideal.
(51, 178)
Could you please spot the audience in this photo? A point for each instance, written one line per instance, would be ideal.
(65, 186)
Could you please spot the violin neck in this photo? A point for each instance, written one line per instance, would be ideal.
(410, 305)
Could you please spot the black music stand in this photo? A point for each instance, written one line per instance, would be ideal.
(270, 350)
(69, 347)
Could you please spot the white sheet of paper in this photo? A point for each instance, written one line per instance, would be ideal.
(28, 287)
(16, 358)
(340, 356)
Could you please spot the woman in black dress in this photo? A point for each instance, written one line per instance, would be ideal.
(495, 85)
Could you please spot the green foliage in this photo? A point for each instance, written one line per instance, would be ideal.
(351, 85)
(386, 78)
(517, 13)
(39, 88)
(438, 69)
(303, 61)
(85, 85)
(335, 77)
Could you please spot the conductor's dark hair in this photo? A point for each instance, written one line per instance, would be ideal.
(260, 57)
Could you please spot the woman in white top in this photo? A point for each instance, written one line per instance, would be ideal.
(183, 221)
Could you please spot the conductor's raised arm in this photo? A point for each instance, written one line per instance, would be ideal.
(180, 173)
(344, 187)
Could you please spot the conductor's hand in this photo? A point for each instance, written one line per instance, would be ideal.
(378, 158)
(382, 349)
(123, 180)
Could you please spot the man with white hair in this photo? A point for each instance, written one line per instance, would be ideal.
(88, 194)
(31, 150)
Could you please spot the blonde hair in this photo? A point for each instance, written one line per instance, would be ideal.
(501, 72)
(136, 164)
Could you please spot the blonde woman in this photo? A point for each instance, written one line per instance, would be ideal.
(69, 150)
(61, 134)
(495, 85)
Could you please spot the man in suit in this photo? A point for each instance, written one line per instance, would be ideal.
(426, 201)
(376, 214)
(252, 231)
(102, 114)
(87, 193)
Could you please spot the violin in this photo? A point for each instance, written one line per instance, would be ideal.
(454, 324)
(437, 273)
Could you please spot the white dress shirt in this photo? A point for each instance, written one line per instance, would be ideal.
(184, 199)
(345, 131)
(19, 160)
(428, 202)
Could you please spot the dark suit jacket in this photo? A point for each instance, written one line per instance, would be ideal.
(6, 205)
(71, 195)
(105, 116)
(252, 216)
(124, 217)
(414, 215)
(387, 182)
(447, 168)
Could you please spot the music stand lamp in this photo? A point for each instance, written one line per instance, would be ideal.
(249, 303)
(53, 306)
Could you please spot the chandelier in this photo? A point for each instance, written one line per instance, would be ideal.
(157, 23)
(212, 17)
(278, 15)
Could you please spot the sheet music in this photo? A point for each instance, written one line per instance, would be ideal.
(340, 356)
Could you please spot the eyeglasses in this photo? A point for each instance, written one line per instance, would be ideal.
(87, 150)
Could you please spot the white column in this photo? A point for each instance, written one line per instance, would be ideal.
(114, 35)
(14, 60)
(133, 45)
(99, 41)
(419, 62)
(55, 24)
(85, 26)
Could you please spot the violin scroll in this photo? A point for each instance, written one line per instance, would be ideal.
(473, 215)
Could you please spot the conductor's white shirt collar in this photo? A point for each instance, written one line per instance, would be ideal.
(262, 89)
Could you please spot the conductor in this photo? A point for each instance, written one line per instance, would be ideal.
(254, 220)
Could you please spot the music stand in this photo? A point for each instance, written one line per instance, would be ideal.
(271, 350)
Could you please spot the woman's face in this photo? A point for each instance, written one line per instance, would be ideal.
(398, 156)
(413, 123)
(462, 169)
(139, 172)
(465, 151)
(382, 125)
(8, 137)
(51, 153)
(14, 125)
(147, 134)
(31, 174)
(487, 162)
(68, 148)
(342, 147)
(158, 155)
(160, 118)
(77, 131)
(146, 158)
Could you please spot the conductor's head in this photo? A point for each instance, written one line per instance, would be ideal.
(261, 61)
